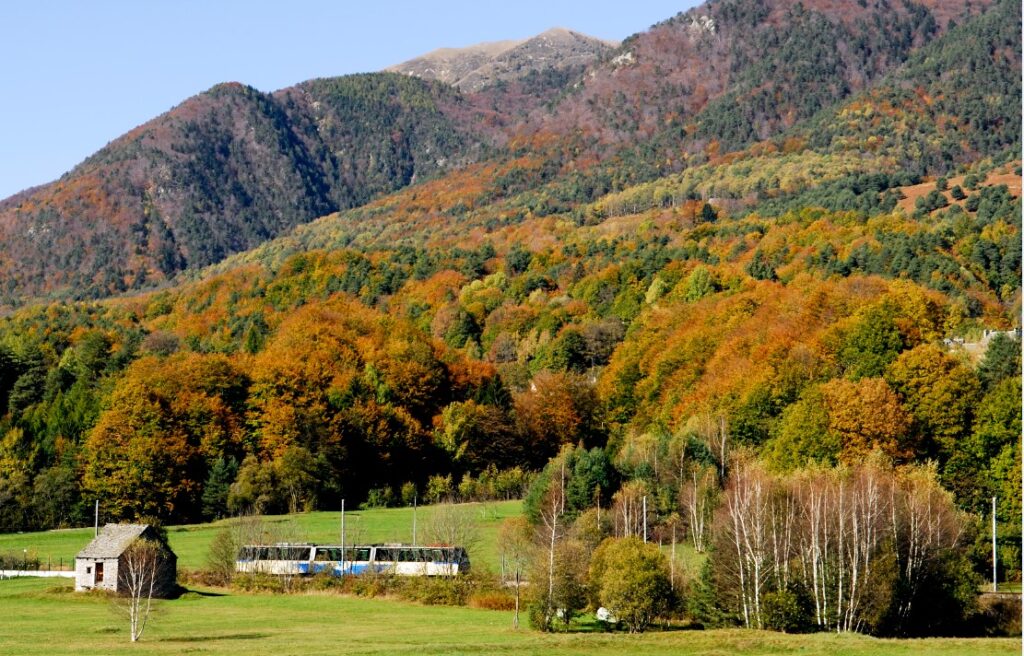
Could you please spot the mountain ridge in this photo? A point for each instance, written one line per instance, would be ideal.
(478, 66)
(223, 171)
(229, 169)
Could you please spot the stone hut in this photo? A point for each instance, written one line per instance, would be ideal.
(97, 566)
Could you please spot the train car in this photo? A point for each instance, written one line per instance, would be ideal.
(407, 560)
(279, 559)
(399, 559)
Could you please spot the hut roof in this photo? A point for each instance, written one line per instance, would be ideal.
(112, 540)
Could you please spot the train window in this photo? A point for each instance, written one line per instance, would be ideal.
(297, 553)
(386, 555)
(288, 553)
(409, 555)
(358, 554)
(328, 553)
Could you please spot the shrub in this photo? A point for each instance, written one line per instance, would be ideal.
(19, 560)
(258, 583)
(998, 616)
(786, 611)
(439, 488)
(635, 584)
(380, 497)
(408, 493)
(436, 591)
(220, 560)
(492, 601)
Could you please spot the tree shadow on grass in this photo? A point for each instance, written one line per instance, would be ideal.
(187, 593)
(223, 636)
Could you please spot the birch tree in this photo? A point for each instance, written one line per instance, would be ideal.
(549, 533)
(697, 498)
(139, 581)
(834, 533)
(516, 548)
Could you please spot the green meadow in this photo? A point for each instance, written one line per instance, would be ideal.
(45, 618)
(191, 543)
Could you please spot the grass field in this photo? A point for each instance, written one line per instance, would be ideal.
(44, 617)
(191, 543)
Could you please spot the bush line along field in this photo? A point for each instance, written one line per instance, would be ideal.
(329, 624)
(191, 543)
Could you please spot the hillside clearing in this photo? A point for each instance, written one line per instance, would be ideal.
(191, 542)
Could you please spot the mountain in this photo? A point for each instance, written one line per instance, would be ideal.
(925, 117)
(732, 72)
(223, 172)
(861, 87)
(476, 67)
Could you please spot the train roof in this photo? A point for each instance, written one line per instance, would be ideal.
(388, 545)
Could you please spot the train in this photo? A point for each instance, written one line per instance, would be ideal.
(308, 559)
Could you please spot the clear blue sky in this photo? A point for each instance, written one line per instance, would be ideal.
(75, 75)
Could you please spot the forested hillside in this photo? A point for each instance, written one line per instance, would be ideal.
(234, 167)
(802, 284)
(221, 173)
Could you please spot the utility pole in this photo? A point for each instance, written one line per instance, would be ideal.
(343, 536)
(995, 572)
(645, 518)
(96, 520)
(672, 573)
(414, 518)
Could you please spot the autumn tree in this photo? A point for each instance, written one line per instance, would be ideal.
(304, 375)
(477, 435)
(167, 420)
(866, 415)
(938, 391)
(409, 373)
(559, 408)
(804, 434)
(633, 581)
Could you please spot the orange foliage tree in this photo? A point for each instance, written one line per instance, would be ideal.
(867, 415)
(166, 421)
